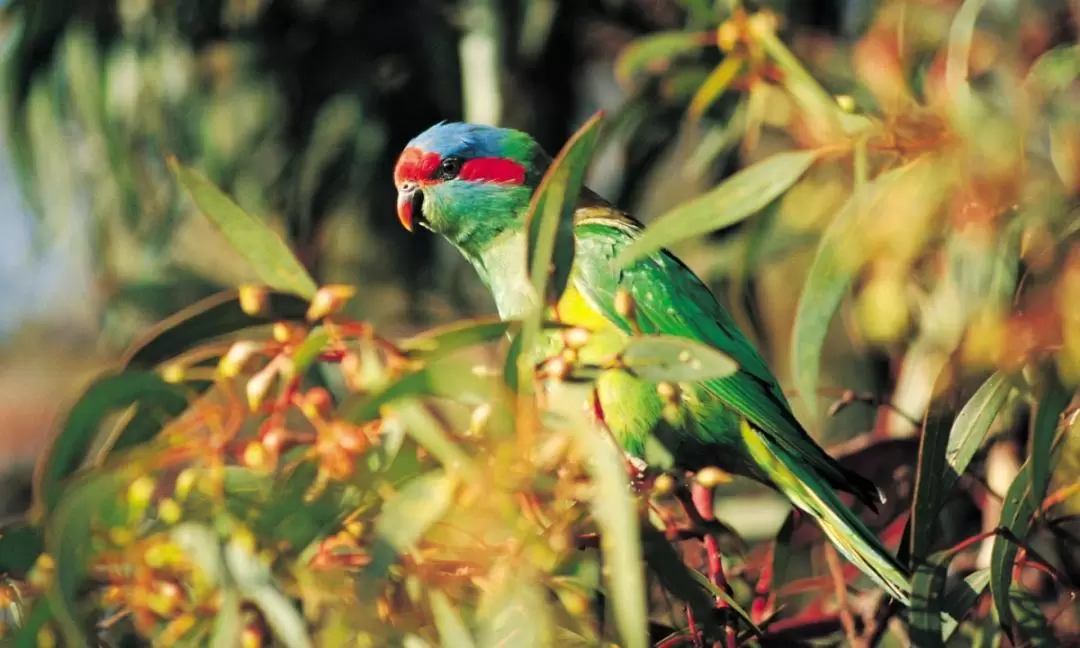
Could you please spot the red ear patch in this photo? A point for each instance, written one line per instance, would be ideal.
(416, 166)
(419, 167)
(498, 170)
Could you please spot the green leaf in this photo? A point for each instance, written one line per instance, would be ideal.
(430, 434)
(658, 358)
(927, 587)
(264, 250)
(452, 630)
(227, 620)
(655, 52)
(960, 600)
(1053, 399)
(160, 400)
(281, 615)
(550, 221)
(737, 198)
(40, 616)
(716, 84)
(444, 340)
(1055, 70)
(617, 520)
(211, 318)
(516, 614)
(942, 459)
(20, 546)
(66, 540)
(1017, 514)
(405, 519)
(831, 273)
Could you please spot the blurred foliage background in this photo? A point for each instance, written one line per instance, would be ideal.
(929, 252)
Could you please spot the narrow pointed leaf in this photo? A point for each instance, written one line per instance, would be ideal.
(263, 249)
(834, 267)
(739, 197)
(83, 425)
(404, 520)
(210, 318)
(616, 516)
(960, 600)
(669, 358)
(1016, 516)
(942, 459)
(1054, 398)
(452, 630)
(655, 52)
(550, 217)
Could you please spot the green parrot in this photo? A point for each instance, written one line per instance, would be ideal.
(472, 184)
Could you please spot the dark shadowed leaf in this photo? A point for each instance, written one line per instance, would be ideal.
(834, 267)
(675, 359)
(740, 196)
(617, 519)
(66, 536)
(405, 519)
(206, 320)
(1053, 399)
(927, 587)
(263, 249)
(158, 399)
(655, 52)
(1017, 514)
(960, 600)
(20, 546)
(942, 459)
(550, 223)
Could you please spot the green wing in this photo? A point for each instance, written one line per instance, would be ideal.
(671, 300)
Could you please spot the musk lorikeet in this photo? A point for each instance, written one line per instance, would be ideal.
(472, 184)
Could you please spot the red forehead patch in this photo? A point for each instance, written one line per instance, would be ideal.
(415, 165)
(419, 167)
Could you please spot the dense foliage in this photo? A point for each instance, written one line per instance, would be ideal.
(263, 467)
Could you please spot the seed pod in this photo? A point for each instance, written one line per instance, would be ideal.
(711, 477)
(253, 299)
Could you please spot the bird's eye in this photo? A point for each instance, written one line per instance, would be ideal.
(449, 168)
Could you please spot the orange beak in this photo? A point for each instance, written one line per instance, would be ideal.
(409, 200)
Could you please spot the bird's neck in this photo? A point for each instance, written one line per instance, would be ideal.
(501, 266)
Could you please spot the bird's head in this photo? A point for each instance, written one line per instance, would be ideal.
(468, 182)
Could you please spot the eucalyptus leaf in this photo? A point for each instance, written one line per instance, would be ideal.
(675, 359)
(737, 198)
(263, 249)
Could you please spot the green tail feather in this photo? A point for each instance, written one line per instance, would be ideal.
(818, 499)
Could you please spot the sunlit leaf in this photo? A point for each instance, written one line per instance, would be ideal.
(737, 198)
(655, 52)
(82, 426)
(268, 255)
(227, 620)
(616, 516)
(444, 340)
(405, 518)
(942, 459)
(718, 82)
(452, 630)
(431, 435)
(206, 320)
(281, 615)
(675, 359)
(516, 614)
(550, 247)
